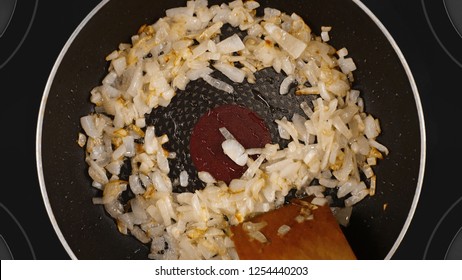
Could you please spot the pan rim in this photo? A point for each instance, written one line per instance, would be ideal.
(420, 114)
(365, 9)
(41, 116)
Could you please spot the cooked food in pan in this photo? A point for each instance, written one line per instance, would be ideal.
(331, 148)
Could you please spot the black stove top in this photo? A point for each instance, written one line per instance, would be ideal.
(32, 34)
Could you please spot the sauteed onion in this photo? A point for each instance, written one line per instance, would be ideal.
(332, 146)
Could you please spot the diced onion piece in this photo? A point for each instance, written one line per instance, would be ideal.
(283, 230)
(220, 85)
(206, 177)
(194, 74)
(258, 235)
(320, 201)
(184, 177)
(230, 45)
(373, 185)
(342, 215)
(288, 42)
(352, 200)
(235, 151)
(225, 132)
(347, 65)
(233, 73)
(93, 125)
(285, 85)
(82, 140)
(251, 226)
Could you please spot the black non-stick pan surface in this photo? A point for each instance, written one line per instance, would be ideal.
(383, 77)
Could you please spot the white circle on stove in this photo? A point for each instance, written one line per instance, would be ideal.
(10, 10)
(5, 252)
(454, 11)
(455, 249)
(454, 14)
(7, 8)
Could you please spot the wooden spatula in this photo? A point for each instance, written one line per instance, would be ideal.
(298, 230)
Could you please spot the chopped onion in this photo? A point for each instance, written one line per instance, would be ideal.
(206, 177)
(285, 85)
(258, 235)
(283, 230)
(235, 151)
(233, 73)
(342, 214)
(230, 45)
(184, 177)
(220, 85)
(225, 132)
(288, 42)
(332, 148)
(250, 226)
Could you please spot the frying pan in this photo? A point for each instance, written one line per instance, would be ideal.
(383, 77)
